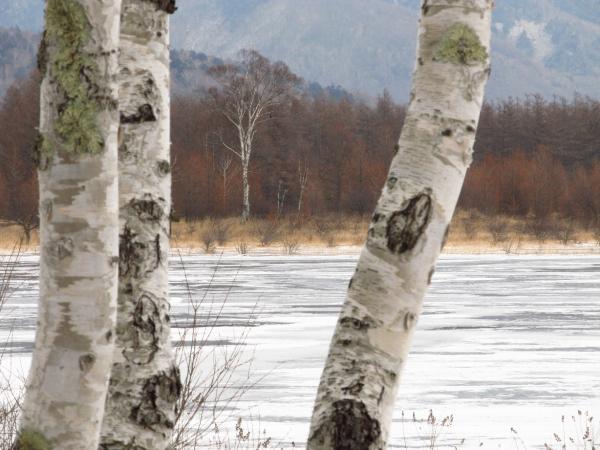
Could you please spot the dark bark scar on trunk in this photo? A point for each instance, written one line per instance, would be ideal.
(167, 6)
(144, 331)
(147, 210)
(160, 393)
(355, 387)
(405, 227)
(136, 258)
(357, 324)
(145, 113)
(430, 275)
(409, 321)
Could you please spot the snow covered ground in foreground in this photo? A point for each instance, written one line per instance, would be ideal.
(504, 341)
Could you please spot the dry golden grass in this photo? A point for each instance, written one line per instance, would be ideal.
(470, 232)
(329, 231)
(10, 235)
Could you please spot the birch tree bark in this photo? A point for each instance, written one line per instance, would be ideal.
(358, 387)
(144, 385)
(76, 154)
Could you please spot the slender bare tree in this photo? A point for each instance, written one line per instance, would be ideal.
(249, 93)
(224, 163)
(302, 182)
(281, 194)
(144, 384)
(358, 387)
(77, 161)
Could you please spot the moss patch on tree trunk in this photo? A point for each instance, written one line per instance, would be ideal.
(461, 45)
(29, 439)
(74, 71)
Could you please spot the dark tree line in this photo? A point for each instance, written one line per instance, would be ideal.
(533, 157)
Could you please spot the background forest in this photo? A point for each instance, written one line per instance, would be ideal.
(534, 158)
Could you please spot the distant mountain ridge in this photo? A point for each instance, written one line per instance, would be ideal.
(550, 47)
(189, 69)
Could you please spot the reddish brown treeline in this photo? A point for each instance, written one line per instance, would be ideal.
(533, 157)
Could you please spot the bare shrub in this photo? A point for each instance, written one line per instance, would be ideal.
(596, 235)
(330, 240)
(469, 224)
(540, 228)
(291, 244)
(8, 265)
(10, 392)
(498, 230)
(358, 225)
(266, 232)
(191, 227)
(512, 245)
(209, 391)
(28, 224)
(322, 227)
(566, 233)
(208, 238)
(242, 247)
(222, 232)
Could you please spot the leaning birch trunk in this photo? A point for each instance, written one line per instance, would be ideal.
(77, 160)
(358, 387)
(144, 385)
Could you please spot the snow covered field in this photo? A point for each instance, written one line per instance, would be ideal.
(504, 341)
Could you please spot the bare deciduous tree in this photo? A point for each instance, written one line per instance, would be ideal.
(281, 194)
(224, 163)
(249, 93)
(302, 182)
(355, 401)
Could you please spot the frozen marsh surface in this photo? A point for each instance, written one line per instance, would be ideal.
(504, 341)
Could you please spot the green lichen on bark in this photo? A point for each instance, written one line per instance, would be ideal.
(73, 70)
(461, 45)
(30, 439)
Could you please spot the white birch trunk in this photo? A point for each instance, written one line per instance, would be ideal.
(246, 190)
(303, 180)
(144, 385)
(354, 405)
(77, 158)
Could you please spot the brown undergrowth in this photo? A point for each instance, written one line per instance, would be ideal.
(470, 232)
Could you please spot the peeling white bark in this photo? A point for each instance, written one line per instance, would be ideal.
(358, 388)
(67, 384)
(144, 385)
